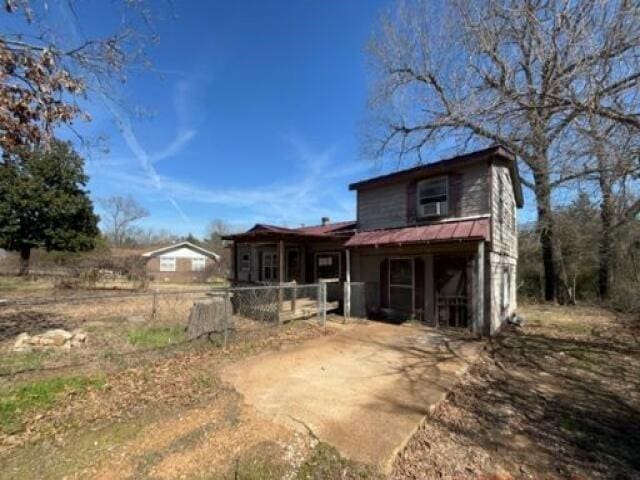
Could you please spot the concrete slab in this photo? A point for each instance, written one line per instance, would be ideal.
(364, 390)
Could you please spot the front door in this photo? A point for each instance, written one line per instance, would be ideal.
(401, 287)
(293, 266)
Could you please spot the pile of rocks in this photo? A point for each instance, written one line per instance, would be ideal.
(57, 338)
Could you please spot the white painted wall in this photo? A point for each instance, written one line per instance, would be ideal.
(182, 252)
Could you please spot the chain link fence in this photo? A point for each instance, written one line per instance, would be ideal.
(54, 331)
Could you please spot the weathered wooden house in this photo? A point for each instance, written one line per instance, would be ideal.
(437, 242)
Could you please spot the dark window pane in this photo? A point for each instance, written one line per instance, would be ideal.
(401, 272)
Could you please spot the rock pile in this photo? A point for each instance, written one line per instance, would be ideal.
(57, 338)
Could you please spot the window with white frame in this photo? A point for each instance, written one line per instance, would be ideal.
(167, 264)
(198, 264)
(433, 197)
(269, 267)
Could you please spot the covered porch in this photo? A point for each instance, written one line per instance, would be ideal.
(434, 273)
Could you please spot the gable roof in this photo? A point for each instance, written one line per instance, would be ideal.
(185, 244)
(498, 152)
(328, 230)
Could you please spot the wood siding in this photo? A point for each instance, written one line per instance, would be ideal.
(383, 207)
(504, 235)
(388, 206)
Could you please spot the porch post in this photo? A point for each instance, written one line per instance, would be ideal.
(234, 262)
(347, 285)
(478, 291)
(280, 272)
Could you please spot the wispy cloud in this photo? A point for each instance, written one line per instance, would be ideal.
(182, 139)
(152, 177)
(315, 188)
(123, 122)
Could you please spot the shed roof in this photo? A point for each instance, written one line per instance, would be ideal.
(461, 230)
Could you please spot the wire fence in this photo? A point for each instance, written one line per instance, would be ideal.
(54, 331)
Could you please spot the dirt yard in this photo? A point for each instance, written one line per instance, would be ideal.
(559, 398)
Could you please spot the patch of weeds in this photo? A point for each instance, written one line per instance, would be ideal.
(326, 462)
(259, 468)
(21, 361)
(261, 462)
(586, 360)
(153, 337)
(205, 381)
(9, 284)
(40, 395)
(575, 328)
(81, 448)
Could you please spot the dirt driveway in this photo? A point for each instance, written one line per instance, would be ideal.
(363, 390)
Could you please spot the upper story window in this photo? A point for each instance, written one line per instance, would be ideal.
(433, 197)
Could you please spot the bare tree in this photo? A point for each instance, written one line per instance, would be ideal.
(44, 71)
(121, 213)
(611, 153)
(517, 72)
(215, 231)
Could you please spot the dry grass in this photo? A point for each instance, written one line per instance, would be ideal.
(559, 398)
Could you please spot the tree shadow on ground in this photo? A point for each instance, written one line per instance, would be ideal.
(555, 405)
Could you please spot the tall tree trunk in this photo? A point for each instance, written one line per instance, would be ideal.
(606, 247)
(542, 188)
(25, 254)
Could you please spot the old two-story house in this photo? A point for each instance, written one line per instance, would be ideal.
(437, 242)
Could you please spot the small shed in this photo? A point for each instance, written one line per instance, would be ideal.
(181, 262)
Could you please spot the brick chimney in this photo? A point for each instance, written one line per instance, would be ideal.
(325, 221)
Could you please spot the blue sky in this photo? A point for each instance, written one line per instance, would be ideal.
(254, 112)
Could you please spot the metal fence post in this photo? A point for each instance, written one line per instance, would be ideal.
(226, 317)
(319, 302)
(324, 305)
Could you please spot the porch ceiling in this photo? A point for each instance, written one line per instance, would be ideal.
(463, 230)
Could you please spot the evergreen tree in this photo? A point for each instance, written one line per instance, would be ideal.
(44, 203)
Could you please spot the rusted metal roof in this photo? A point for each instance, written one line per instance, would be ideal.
(329, 230)
(473, 229)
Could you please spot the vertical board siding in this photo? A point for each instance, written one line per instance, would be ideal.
(504, 233)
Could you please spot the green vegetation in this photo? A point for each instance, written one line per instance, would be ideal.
(47, 185)
(156, 336)
(325, 462)
(10, 284)
(258, 468)
(19, 361)
(39, 395)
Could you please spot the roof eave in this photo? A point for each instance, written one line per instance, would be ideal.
(437, 167)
